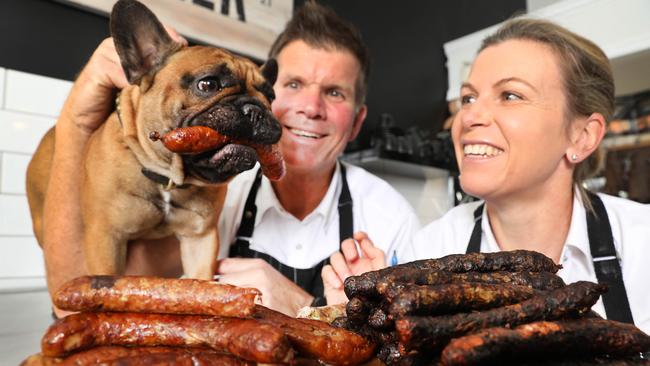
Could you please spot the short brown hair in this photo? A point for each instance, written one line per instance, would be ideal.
(586, 72)
(321, 27)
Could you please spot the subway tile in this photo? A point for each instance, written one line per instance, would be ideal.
(21, 257)
(3, 72)
(12, 176)
(31, 93)
(22, 132)
(15, 219)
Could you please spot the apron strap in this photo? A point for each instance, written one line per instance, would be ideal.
(309, 279)
(474, 245)
(603, 252)
(606, 262)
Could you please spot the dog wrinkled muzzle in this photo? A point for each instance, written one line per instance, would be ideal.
(241, 118)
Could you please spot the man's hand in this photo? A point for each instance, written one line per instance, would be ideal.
(278, 292)
(350, 263)
(91, 98)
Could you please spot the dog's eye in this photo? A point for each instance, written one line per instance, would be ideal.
(208, 85)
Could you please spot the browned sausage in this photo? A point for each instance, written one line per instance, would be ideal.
(316, 339)
(537, 280)
(561, 339)
(179, 358)
(271, 160)
(191, 140)
(155, 295)
(197, 139)
(116, 355)
(456, 297)
(434, 332)
(40, 360)
(511, 261)
(245, 338)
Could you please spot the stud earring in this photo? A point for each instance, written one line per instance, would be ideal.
(574, 157)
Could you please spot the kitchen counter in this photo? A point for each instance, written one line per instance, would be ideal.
(24, 317)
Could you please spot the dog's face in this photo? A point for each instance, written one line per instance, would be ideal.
(190, 86)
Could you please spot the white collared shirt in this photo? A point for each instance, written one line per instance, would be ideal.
(630, 222)
(378, 209)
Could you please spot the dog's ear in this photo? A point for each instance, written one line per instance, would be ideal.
(140, 39)
(270, 70)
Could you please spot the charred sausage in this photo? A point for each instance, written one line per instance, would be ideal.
(581, 337)
(434, 332)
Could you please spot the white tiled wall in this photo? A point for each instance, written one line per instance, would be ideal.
(29, 106)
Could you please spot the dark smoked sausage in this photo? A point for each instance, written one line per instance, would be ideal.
(591, 337)
(511, 261)
(434, 332)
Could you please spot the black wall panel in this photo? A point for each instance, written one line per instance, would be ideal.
(48, 38)
(408, 75)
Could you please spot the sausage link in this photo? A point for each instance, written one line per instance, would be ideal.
(155, 295)
(456, 297)
(245, 338)
(317, 339)
(191, 140)
(562, 339)
(434, 332)
(510, 261)
(179, 358)
(537, 280)
(271, 160)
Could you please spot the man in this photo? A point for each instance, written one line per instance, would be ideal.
(290, 227)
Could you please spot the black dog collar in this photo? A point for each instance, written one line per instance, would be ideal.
(166, 182)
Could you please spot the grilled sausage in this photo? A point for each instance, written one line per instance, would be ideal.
(155, 295)
(456, 297)
(197, 139)
(245, 338)
(563, 339)
(191, 140)
(511, 261)
(434, 332)
(316, 339)
(537, 280)
(271, 160)
(179, 358)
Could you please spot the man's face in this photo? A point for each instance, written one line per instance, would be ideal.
(315, 104)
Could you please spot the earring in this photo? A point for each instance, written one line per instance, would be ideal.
(574, 157)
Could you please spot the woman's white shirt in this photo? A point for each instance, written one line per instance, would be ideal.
(630, 222)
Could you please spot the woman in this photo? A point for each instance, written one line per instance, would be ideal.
(534, 110)
(533, 113)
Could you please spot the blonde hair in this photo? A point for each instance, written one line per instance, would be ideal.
(586, 72)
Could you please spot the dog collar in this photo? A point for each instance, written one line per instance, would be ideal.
(165, 182)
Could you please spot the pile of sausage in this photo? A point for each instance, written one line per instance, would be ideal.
(486, 309)
(147, 320)
(197, 139)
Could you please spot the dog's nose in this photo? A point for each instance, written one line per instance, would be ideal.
(266, 129)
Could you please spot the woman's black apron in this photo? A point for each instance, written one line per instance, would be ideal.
(309, 279)
(606, 263)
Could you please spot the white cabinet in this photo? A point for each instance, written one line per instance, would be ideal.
(620, 27)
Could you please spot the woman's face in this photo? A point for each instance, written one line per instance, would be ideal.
(510, 134)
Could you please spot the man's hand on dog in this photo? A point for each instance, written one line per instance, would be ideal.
(278, 292)
(91, 98)
(350, 263)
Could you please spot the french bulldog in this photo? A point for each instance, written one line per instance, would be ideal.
(133, 187)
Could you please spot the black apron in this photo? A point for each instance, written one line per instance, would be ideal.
(309, 279)
(606, 263)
